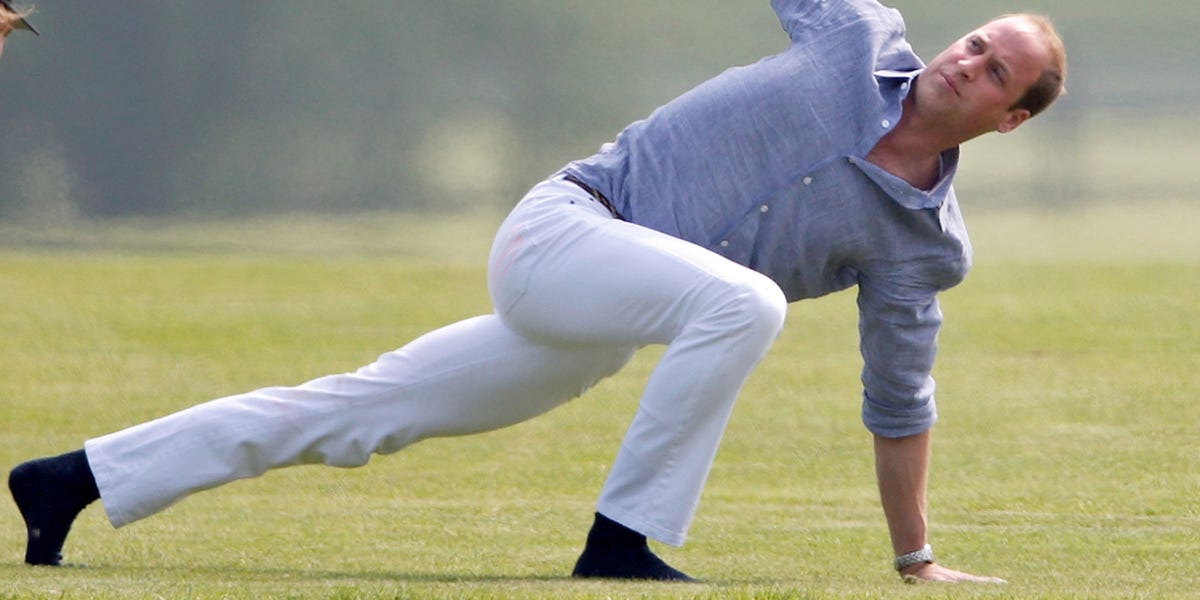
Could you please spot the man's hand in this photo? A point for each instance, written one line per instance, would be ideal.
(935, 572)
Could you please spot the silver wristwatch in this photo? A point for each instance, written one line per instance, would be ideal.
(924, 555)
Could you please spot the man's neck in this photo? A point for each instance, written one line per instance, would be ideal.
(920, 169)
(911, 151)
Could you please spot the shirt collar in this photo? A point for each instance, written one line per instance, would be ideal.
(905, 194)
(898, 189)
(902, 79)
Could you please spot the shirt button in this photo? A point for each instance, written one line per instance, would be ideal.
(904, 85)
(764, 208)
(724, 243)
(807, 180)
(886, 123)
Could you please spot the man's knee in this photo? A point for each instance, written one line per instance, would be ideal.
(771, 307)
(761, 307)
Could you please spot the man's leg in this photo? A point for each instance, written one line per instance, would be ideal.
(630, 285)
(469, 377)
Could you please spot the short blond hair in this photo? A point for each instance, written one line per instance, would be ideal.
(1052, 82)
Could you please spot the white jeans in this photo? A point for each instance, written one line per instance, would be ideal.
(576, 292)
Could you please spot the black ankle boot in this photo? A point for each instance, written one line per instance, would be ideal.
(50, 492)
(614, 551)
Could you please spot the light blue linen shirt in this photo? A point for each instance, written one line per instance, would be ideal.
(764, 164)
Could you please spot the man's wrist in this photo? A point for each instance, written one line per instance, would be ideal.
(904, 561)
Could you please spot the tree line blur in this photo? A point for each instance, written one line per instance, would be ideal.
(226, 108)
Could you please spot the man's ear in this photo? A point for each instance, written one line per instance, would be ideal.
(1013, 119)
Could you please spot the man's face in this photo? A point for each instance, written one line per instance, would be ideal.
(971, 85)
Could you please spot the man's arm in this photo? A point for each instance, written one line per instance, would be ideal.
(898, 327)
(902, 468)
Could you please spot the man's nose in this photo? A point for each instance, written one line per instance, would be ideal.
(969, 66)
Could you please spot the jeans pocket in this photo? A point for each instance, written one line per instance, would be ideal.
(510, 267)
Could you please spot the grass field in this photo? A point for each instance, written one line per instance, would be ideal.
(1067, 459)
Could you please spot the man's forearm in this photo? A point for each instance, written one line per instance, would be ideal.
(902, 469)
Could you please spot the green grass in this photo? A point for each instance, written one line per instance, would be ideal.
(1065, 460)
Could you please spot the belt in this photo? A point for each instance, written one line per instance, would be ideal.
(596, 195)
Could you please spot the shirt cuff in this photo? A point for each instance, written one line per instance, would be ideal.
(892, 421)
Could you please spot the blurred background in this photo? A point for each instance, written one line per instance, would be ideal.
(225, 109)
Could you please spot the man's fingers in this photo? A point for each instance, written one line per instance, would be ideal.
(938, 573)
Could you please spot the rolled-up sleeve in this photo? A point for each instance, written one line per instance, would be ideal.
(898, 328)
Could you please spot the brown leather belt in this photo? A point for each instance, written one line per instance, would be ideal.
(595, 194)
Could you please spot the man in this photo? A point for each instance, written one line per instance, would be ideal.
(826, 166)
(12, 19)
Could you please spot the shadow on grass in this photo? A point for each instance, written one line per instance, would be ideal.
(266, 574)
